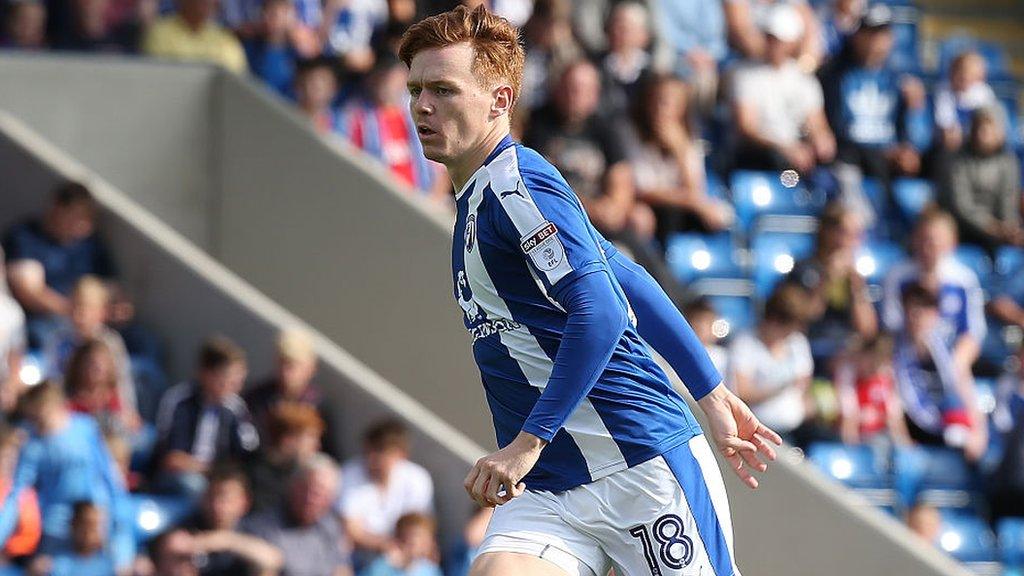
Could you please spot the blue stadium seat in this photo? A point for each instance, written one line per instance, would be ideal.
(757, 195)
(774, 254)
(736, 312)
(977, 259)
(911, 195)
(1009, 260)
(1011, 542)
(938, 476)
(692, 256)
(876, 257)
(967, 537)
(33, 367)
(854, 466)
(155, 514)
(992, 52)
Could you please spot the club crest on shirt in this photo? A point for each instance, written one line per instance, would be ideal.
(544, 247)
(470, 237)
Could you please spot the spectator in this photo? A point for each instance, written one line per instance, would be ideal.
(775, 103)
(695, 31)
(175, 553)
(90, 302)
(962, 324)
(305, 530)
(206, 421)
(293, 436)
(25, 538)
(1006, 490)
(348, 29)
(191, 34)
(589, 153)
(215, 530)
(628, 56)
(869, 406)
(46, 257)
(840, 300)
(292, 383)
(983, 187)
(702, 316)
(272, 52)
(770, 369)
(668, 165)
(91, 385)
(871, 106)
(461, 556)
(86, 555)
(550, 48)
(380, 487)
(839, 20)
(316, 87)
(956, 101)
(91, 30)
(749, 34)
(25, 25)
(12, 344)
(938, 398)
(379, 123)
(66, 461)
(414, 552)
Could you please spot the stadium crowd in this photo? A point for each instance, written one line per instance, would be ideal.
(889, 314)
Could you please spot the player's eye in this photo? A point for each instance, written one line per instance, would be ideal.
(415, 92)
(442, 91)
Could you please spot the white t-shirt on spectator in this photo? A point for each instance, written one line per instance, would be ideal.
(12, 331)
(748, 356)
(409, 489)
(783, 98)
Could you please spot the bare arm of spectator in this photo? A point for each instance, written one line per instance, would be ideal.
(611, 210)
(27, 279)
(897, 422)
(362, 538)
(819, 134)
(849, 409)
(262, 556)
(343, 571)
(862, 311)
(1006, 310)
(799, 155)
(751, 394)
(811, 48)
(178, 461)
(743, 34)
(967, 346)
(12, 387)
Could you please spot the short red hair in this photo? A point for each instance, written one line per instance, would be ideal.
(498, 51)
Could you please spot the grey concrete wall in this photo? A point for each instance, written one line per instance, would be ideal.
(144, 126)
(185, 296)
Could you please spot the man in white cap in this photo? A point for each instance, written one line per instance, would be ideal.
(778, 108)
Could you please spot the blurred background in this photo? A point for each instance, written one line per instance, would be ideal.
(227, 337)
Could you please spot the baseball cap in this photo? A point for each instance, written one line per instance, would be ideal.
(784, 22)
(876, 16)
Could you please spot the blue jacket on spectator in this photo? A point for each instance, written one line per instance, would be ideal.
(64, 263)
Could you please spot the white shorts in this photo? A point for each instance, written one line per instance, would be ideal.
(666, 517)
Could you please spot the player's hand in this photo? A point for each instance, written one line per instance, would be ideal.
(738, 434)
(503, 471)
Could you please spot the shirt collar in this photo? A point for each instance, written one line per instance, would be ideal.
(505, 143)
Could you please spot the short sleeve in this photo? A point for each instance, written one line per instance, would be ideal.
(814, 98)
(803, 362)
(741, 356)
(545, 221)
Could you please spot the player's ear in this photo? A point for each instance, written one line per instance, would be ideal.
(503, 99)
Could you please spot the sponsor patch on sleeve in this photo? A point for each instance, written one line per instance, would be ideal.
(544, 247)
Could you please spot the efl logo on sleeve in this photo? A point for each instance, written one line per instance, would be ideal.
(544, 247)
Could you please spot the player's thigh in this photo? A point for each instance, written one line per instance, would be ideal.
(515, 563)
(690, 533)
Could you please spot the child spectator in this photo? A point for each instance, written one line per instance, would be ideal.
(206, 421)
(277, 45)
(90, 302)
(215, 530)
(87, 554)
(293, 436)
(91, 386)
(956, 101)
(1006, 489)
(380, 487)
(91, 30)
(770, 369)
(66, 461)
(414, 551)
(702, 316)
(25, 538)
(379, 123)
(866, 386)
(668, 164)
(293, 383)
(839, 294)
(25, 25)
(982, 188)
(316, 87)
(47, 256)
(12, 344)
(304, 529)
(962, 325)
(192, 34)
(938, 399)
(776, 103)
